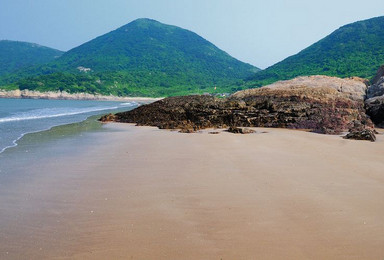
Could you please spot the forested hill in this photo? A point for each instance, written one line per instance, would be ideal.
(144, 57)
(150, 45)
(16, 55)
(355, 49)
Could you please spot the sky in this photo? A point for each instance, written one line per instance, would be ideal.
(259, 32)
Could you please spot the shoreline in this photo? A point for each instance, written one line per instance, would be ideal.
(92, 119)
(58, 95)
(146, 193)
(9, 144)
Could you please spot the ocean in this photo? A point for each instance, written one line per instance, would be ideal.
(19, 117)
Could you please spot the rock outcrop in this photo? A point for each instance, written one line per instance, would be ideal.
(359, 131)
(239, 130)
(364, 134)
(108, 118)
(317, 103)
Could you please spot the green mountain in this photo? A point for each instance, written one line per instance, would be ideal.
(144, 57)
(18, 55)
(355, 49)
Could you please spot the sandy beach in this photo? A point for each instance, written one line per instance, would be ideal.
(144, 193)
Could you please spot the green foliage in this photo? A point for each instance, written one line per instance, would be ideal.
(116, 83)
(352, 50)
(18, 55)
(144, 57)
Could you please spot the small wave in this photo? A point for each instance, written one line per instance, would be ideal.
(129, 104)
(14, 143)
(58, 112)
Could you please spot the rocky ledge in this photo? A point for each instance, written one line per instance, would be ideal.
(318, 103)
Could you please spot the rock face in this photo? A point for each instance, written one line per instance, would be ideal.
(375, 99)
(318, 103)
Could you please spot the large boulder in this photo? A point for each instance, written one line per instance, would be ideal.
(318, 103)
(375, 109)
(354, 88)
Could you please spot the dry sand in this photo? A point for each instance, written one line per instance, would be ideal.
(144, 193)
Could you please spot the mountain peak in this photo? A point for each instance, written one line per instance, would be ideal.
(145, 24)
(144, 21)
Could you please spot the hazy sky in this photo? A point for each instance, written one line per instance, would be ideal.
(260, 32)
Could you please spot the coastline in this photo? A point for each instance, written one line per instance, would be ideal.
(145, 193)
(67, 96)
(90, 123)
(20, 117)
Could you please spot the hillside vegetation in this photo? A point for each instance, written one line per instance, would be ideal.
(353, 50)
(144, 57)
(18, 55)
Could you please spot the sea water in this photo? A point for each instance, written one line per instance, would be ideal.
(19, 117)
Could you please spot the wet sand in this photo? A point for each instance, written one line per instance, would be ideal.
(143, 193)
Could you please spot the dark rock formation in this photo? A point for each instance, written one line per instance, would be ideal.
(375, 99)
(375, 110)
(318, 103)
(376, 89)
(365, 134)
(188, 113)
(361, 132)
(238, 130)
(108, 118)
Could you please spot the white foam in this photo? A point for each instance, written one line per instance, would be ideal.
(129, 104)
(58, 112)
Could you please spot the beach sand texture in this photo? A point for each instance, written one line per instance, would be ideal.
(144, 193)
